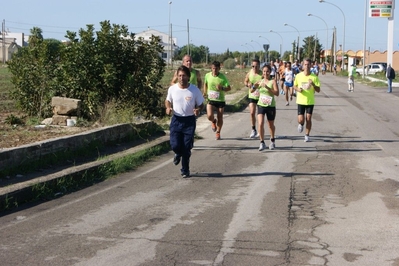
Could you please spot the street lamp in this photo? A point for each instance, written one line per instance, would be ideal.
(244, 45)
(253, 49)
(261, 48)
(311, 15)
(264, 48)
(281, 45)
(343, 40)
(170, 36)
(298, 52)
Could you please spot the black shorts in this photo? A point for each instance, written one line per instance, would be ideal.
(282, 79)
(305, 108)
(217, 104)
(270, 112)
(253, 100)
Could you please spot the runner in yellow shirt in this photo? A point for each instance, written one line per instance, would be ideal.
(253, 76)
(306, 84)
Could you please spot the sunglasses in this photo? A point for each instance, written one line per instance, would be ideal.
(254, 66)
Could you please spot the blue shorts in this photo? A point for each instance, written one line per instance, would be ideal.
(288, 84)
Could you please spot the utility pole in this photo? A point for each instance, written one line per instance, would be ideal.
(3, 40)
(188, 37)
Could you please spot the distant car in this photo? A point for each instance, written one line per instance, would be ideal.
(385, 65)
(370, 69)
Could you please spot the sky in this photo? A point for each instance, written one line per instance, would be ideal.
(218, 24)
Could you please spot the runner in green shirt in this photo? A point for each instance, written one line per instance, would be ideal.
(253, 76)
(268, 89)
(306, 84)
(215, 85)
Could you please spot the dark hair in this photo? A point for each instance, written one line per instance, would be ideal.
(256, 60)
(216, 63)
(185, 70)
(268, 67)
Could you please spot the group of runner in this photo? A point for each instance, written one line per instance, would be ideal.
(263, 86)
(294, 80)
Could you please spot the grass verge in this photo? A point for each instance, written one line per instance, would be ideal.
(79, 180)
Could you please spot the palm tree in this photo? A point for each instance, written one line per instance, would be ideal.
(36, 36)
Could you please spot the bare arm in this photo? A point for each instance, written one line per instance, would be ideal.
(274, 90)
(199, 79)
(205, 92)
(246, 81)
(174, 79)
(198, 110)
(168, 106)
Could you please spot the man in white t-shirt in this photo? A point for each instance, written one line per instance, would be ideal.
(185, 102)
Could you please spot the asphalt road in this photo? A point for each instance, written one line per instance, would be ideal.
(331, 201)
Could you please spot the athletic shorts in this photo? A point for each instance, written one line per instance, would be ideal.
(305, 108)
(253, 100)
(270, 112)
(217, 104)
(289, 84)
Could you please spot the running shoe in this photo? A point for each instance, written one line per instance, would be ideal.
(176, 159)
(272, 146)
(253, 134)
(262, 146)
(300, 128)
(306, 138)
(185, 174)
(213, 126)
(217, 136)
(287, 104)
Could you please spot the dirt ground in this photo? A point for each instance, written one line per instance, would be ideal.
(17, 135)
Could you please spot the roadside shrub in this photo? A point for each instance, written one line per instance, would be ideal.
(14, 120)
(229, 63)
(97, 68)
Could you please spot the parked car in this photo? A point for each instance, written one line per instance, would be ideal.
(385, 65)
(371, 69)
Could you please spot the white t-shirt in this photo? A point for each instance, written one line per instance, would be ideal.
(184, 101)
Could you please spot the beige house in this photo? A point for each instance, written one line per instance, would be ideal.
(8, 47)
(170, 46)
(357, 56)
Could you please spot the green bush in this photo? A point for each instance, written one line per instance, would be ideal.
(229, 63)
(109, 65)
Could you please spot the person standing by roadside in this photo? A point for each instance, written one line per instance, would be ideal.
(195, 75)
(351, 78)
(306, 84)
(253, 76)
(185, 102)
(390, 76)
(267, 106)
(215, 86)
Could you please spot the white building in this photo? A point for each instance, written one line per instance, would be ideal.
(169, 49)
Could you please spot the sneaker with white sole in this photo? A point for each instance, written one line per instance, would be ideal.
(306, 138)
(300, 128)
(272, 145)
(253, 134)
(262, 146)
(176, 159)
(185, 174)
